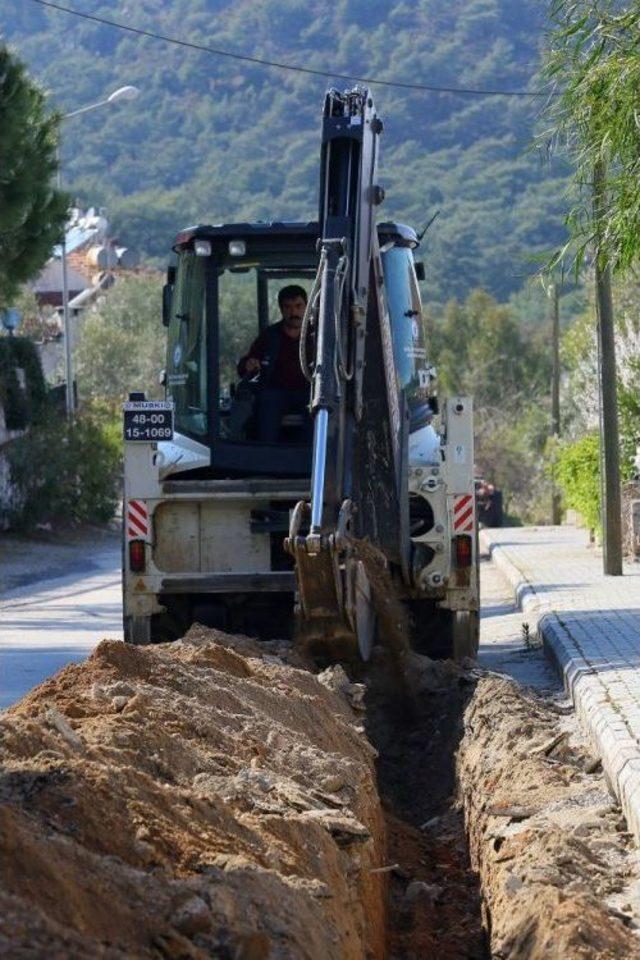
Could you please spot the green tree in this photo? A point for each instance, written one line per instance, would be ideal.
(32, 211)
(121, 342)
(580, 361)
(594, 64)
(480, 350)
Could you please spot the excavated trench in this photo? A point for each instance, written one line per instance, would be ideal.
(503, 838)
(434, 897)
(218, 798)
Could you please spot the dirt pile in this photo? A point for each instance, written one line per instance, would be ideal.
(190, 800)
(559, 872)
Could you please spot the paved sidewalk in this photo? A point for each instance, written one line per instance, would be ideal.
(590, 626)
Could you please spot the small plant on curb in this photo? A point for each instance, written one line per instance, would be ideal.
(530, 640)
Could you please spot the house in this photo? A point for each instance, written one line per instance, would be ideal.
(94, 260)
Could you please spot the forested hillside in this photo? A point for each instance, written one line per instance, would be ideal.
(210, 138)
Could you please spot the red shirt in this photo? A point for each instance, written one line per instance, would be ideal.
(287, 374)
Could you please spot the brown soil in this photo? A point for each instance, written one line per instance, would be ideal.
(214, 798)
(557, 865)
(189, 800)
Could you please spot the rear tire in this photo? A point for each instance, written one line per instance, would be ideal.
(444, 634)
(466, 635)
(137, 630)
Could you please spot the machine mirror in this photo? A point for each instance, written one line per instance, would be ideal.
(420, 271)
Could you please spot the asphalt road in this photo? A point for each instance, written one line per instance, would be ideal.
(58, 601)
(56, 604)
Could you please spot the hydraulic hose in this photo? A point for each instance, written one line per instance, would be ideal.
(309, 313)
(338, 291)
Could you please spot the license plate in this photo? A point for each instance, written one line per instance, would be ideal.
(148, 421)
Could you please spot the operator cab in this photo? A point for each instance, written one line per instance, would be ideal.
(219, 297)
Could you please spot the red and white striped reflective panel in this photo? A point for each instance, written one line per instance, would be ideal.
(463, 513)
(137, 519)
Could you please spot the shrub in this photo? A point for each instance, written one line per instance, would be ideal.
(577, 472)
(65, 472)
(21, 406)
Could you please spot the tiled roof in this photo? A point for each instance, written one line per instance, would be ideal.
(49, 279)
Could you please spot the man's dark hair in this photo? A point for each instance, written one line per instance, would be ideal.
(291, 293)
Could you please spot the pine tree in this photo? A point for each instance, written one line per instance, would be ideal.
(32, 211)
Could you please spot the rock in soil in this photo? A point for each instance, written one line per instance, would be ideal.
(189, 800)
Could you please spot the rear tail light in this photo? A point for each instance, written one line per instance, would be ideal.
(136, 556)
(463, 550)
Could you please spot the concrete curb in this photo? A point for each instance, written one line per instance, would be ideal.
(600, 716)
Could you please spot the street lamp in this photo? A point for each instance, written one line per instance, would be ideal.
(122, 93)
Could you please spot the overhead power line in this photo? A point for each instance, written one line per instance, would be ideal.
(260, 61)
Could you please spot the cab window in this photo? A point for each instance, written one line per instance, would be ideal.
(248, 308)
(238, 319)
(187, 347)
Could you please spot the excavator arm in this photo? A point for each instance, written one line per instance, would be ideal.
(360, 442)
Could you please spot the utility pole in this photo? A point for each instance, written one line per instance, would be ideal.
(609, 440)
(556, 511)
